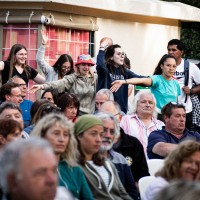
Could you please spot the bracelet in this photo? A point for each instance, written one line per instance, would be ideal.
(191, 91)
(43, 44)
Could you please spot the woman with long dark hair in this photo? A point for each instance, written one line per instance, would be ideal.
(163, 86)
(111, 67)
(63, 66)
(16, 65)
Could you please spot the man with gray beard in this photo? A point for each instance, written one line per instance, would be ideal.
(111, 130)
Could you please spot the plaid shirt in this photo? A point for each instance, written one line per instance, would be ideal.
(195, 110)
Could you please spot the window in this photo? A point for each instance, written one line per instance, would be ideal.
(61, 41)
(69, 41)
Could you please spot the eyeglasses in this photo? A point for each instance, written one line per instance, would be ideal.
(18, 96)
(22, 85)
(112, 131)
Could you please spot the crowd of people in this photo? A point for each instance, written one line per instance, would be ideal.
(82, 140)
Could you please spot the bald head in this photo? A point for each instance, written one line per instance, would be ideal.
(113, 108)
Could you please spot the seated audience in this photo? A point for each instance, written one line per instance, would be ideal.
(35, 106)
(10, 92)
(182, 163)
(111, 130)
(59, 132)
(50, 95)
(12, 111)
(142, 120)
(129, 146)
(162, 142)
(101, 174)
(28, 170)
(184, 190)
(26, 104)
(10, 130)
(43, 110)
(69, 105)
(102, 96)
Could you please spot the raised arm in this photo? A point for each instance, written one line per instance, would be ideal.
(44, 66)
(135, 81)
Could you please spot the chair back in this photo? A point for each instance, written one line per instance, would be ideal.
(154, 165)
(143, 183)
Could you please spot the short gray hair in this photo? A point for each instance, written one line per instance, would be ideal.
(137, 97)
(10, 157)
(107, 92)
(105, 116)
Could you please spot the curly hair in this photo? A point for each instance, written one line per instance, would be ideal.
(70, 155)
(172, 164)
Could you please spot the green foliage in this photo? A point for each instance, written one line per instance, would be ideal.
(190, 32)
(190, 35)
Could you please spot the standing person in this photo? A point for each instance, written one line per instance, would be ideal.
(59, 132)
(82, 84)
(63, 66)
(111, 67)
(176, 48)
(101, 174)
(163, 86)
(16, 64)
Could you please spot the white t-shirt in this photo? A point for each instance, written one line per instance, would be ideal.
(194, 75)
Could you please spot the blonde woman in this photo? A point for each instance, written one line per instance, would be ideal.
(59, 132)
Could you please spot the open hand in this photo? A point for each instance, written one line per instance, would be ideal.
(116, 85)
(34, 89)
(45, 37)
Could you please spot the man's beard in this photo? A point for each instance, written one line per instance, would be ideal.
(106, 147)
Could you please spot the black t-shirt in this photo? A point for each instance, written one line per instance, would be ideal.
(23, 75)
(131, 148)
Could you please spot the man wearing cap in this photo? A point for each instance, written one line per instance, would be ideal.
(82, 84)
(162, 142)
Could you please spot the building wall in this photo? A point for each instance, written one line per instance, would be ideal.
(143, 42)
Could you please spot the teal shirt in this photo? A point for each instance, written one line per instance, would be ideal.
(165, 91)
(74, 179)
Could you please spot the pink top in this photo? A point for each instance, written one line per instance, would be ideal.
(133, 126)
